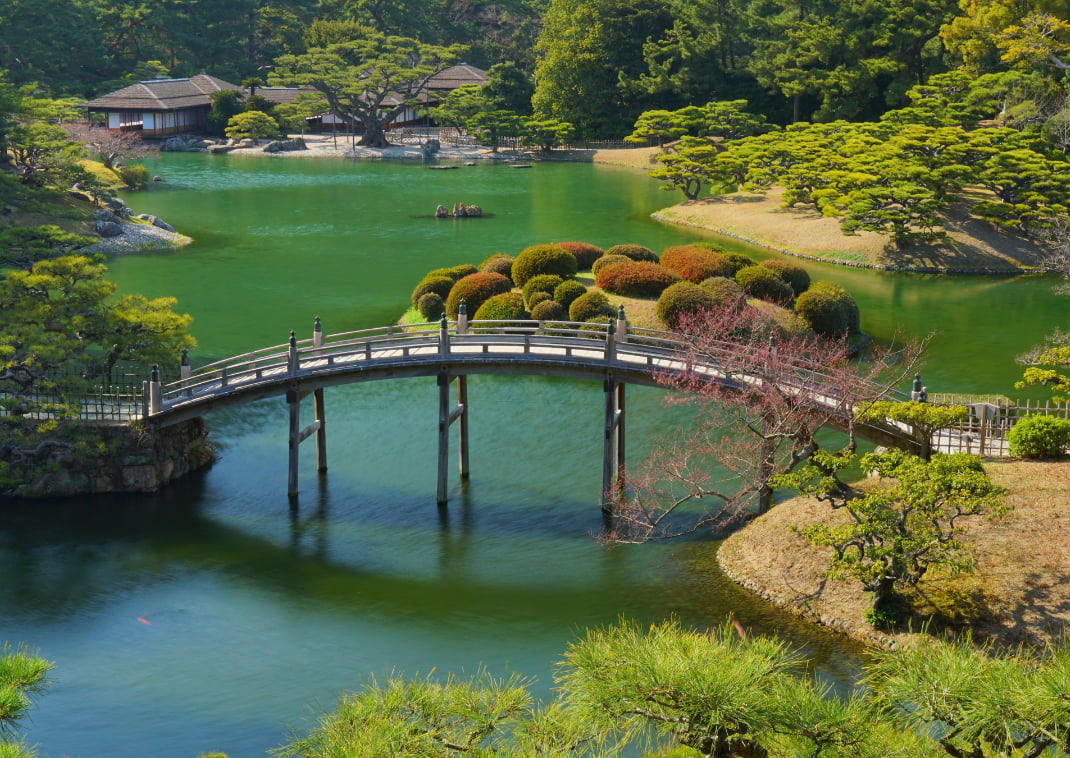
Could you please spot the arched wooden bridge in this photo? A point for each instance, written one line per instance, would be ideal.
(617, 354)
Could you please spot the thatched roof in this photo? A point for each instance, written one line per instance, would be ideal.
(162, 94)
(455, 76)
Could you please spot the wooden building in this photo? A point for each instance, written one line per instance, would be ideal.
(160, 107)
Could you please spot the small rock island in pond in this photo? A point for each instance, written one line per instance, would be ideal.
(460, 210)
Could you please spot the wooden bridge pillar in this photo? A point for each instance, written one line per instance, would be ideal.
(446, 417)
(613, 460)
(318, 427)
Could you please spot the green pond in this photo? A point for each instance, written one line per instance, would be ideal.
(212, 616)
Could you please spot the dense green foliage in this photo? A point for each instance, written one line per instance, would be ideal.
(590, 305)
(1039, 437)
(499, 263)
(683, 299)
(504, 307)
(764, 284)
(607, 260)
(549, 310)
(586, 253)
(567, 291)
(725, 291)
(23, 676)
(792, 273)
(635, 252)
(545, 283)
(636, 278)
(474, 290)
(828, 309)
(440, 285)
(543, 259)
(431, 306)
(694, 263)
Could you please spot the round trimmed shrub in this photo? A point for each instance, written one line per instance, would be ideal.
(508, 306)
(538, 297)
(476, 289)
(499, 263)
(541, 283)
(590, 305)
(764, 284)
(586, 253)
(726, 292)
(567, 291)
(543, 259)
(455, 273)
(598, 324)
(1039, 437)
(440, 285)
(792, 273)
(636, 279)
(431, 306)
(825, 310)
(694, 263)
(549, 310)
(682, 299)
(830, 296)
(784, 320)
(635, 252)
(607, 260)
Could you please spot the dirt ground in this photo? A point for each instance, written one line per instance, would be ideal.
(973, 246)
(1019, 592)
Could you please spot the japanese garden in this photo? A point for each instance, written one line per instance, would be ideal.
(744, 404)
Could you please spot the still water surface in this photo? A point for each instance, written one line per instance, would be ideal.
(212, 617)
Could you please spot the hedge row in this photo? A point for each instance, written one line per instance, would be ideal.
(636, 278)
(694, 263)
(543, 259)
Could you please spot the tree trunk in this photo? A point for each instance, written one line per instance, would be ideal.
(374, 135)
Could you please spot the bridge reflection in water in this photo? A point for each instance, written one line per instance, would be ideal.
(616, 353)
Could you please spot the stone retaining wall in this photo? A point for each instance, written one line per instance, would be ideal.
(120, 459)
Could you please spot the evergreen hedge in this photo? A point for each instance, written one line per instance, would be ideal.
(635, 252)
(792, 273)
(586, 254)
(764, 284)
(543, 259)
(683, 299)
(694, 263)
(636, 279)
(476, 289)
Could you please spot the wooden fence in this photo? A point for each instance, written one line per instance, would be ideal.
(984, 432)
(117, 403)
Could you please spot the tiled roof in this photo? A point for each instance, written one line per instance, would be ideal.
(284, 94)
(454, 76)
(163, 94)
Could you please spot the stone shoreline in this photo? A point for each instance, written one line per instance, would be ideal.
(137, 238)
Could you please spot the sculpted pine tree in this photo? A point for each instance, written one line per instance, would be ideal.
(368, 82)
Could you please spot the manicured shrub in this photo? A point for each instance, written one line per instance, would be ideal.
(476, 289)
(590, 305)
(541, 283)
(507, 306)
(538, 297)
(134, 175)
(455, 273)
(543, 259)
(586, 253)
(567, 291)
(824, 297)
(694, 263)
(607, 260)
(635, 252)
(431, 306)
(1039, 437)
(599, 324)
(549, 310)
(828, 309)
(440, 285)
(792, 273)
(636, 279)
(682, 299)
(784, 320)
(499, 263)
(764, 284)
(726, 292)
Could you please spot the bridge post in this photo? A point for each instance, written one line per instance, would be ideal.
(622, 326)
(184, 371)
(462, 429)
(613, 464)
(444, 336)
(462, 318)
(155, 391)
(291, 355)
(319, 405)
(294, 401)
(443, 436)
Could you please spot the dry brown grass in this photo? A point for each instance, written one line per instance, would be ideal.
(1019, 592)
